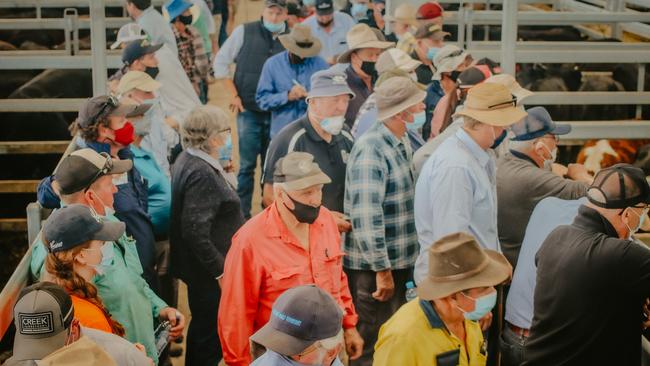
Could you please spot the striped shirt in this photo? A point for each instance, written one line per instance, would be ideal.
(379, 192)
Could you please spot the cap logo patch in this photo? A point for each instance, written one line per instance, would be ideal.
(39, 323)
(324, 6)
(55, 244)
(339, 80)
(287, 318)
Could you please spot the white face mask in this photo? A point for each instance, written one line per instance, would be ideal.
(332, 125)
(108, 211)
(548, 163)
(642, 217)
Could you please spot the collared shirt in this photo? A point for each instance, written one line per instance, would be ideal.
(550, 213)
(191, 53)
(333, 42)
(424, 153)
(228, 52)
(277, 79)
(159, 189)
(379, 202)
(161, 139)
(177, 95)
(361, 93)
(416, 336)
(157, 28)
(456, 192)
(266, 259)
(331, 157)
(271, 358)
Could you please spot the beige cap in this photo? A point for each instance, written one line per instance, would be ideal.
(492, 104)
(83, 352)
(447, 59)
(404, 13)
(395, 95)
(509, 82)
(395, 58)
(137, 80)
(297, 170)
(361, 36)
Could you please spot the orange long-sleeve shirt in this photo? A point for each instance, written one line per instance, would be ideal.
(266, 259)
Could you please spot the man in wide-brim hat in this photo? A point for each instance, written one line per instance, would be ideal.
(442, 323)
(286, 77)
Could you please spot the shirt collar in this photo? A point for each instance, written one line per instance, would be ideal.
(523, 156)
(590, 219)
(431, 314)
(389, 136)
(214, 163)
(140, 153)
(481, 155)
(354, 79)
(311, 132)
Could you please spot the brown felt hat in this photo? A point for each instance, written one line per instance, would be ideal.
(396, 95)
(301, 42)
(362, 36)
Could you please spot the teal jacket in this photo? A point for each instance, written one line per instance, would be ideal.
(122, 289)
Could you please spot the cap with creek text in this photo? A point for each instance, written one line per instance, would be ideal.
(83, 167)
(324, 7)
(42, 314)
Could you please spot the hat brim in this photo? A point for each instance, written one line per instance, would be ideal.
(37, 348)
(497, 271)
(291, 46)
(118, 42)
(384, 114)
(449, 65)
(325, 12)
(110, 231)
(410, 65)
(306, 182)
(279, 342)
(560, 129)
(333, 91)
(497, 117)
(345, 56)
(130, 110)
(521, 94)
(121, 166)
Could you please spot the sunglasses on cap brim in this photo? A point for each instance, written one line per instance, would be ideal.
(108, 166)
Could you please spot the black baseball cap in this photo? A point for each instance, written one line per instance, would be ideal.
(136, 49)
(300, 317)
(324, 7)
(536, 124)
(83, 167)
(619, 187)
(278, 3)
(103, 106)
(42, 314)
(76, 224)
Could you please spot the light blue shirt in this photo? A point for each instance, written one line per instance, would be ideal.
(159, 188)
(549, 213)
(333, 42)
(271, 358)
(158, 29)
(456, 192)
(228, 52)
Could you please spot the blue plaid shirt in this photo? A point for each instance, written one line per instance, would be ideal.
(379, 191)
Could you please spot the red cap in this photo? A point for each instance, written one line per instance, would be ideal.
(430, 10)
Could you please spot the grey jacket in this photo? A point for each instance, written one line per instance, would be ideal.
(521, 184)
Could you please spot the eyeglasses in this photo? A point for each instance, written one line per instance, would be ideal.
(108, 166)
(110, 102)
(229, 130)
(512, 102)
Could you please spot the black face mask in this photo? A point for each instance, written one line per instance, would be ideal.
(185, 19)
(383, 12)
(325, 24)
(368, 67)
(295, 59)
(454, 75)
(152, 71)
(303, 213)
(499, 139)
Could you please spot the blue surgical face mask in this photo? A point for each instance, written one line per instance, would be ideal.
(309, 2)
(225, 151)
(418, 121)
(359, 10)
(274, 27)
(431, 52)
(482, 306)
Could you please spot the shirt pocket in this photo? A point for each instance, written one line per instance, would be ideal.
(333, 267)
(285, 278)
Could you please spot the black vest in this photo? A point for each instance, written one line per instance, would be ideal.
(258, 46)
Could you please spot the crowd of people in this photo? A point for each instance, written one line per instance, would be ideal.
(413, 209)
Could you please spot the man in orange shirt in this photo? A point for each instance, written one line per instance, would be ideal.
(294, 241)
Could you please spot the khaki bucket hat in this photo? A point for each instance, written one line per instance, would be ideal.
(362, 36)
(395, 95)
(301, 42)
(492, 104)
(509, 82)
(457, 263)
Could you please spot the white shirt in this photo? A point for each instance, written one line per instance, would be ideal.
(177, 94)
(333, 42)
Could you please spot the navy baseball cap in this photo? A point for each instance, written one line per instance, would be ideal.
(301, 316)
(76, 224)
(324, 7)
(136, 49)
(618, 187)
(537, 124)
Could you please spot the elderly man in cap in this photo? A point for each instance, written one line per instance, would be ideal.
(295, 241)
(321, 133)
(441, 324)
(429, 39)
(304, 329)
(592, 316)
(249, 46)
(456, 191)
(86, 177)
(362, 54)
(45, 324)
(152, 22)
(524, 177)
(403, 25)
(177, 96)
(331, 27)
(382, 247)
(286, 77)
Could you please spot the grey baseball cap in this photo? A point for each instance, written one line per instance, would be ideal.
(536, 124)
(301, 316)
(298, 170)
(76, 224)
(107, 105)
(42, 314)
(83, 167)
(329, 83)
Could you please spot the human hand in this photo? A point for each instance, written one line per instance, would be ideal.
(353, 343)
(559, 169)
(385, 285)
(485, 321)
(342, 222)
(578, 172)
(236, 105)
(178, 324)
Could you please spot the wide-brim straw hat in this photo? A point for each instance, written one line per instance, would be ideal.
(396, 95)
(492, 104)
(458, 263)
(362, 36)
(301, 42)
(511, 83)
(405, 13)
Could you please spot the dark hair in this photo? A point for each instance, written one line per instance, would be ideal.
(140, 4)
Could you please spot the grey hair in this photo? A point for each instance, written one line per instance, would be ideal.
(201, 124)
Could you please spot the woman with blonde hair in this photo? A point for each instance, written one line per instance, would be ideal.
(79, 247)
